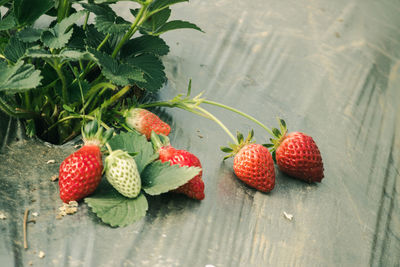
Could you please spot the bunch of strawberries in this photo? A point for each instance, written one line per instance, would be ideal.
(296, 154)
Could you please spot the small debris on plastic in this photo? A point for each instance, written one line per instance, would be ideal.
(288, 216)
(2, 216)
(54, 178)
(77, 146)
(51, 161)
(41, 254)
(67, 209)
(209, 265)
(35, 214)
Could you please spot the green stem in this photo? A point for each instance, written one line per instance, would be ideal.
(240, 113)
(218, 122)
(115, 97)
(13, 112)
(103, 42)
(76, 117)
(131, 31)
(63, 83)
(27, 98)
(86, 20)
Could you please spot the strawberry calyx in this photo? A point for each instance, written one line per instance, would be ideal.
(279, 136)
(159, 140)
(92, 134)
(233, 149)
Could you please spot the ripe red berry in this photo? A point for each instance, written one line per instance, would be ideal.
(145, 122)
(80, 173)
(298, 156)
(195, 187)
(254, 165)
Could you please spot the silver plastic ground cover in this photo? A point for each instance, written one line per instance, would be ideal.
(330, 68)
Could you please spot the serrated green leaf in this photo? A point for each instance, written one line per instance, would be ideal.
(7, 23)
(154, 22)
(119, 73)
(153, 70)
(116, 210)
(145, 44)
(28, 11)
(58, 36)
(29, 35)
(161, 4)
(18, 78)
(160, 177)
(106, 20)
(135, 143)
(177, 24)
(15, 49)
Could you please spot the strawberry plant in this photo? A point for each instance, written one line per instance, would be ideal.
(56, 77)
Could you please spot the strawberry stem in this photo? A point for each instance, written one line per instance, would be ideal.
(212, 117)
(240, 113)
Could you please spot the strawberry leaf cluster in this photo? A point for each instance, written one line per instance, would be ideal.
(87, 62)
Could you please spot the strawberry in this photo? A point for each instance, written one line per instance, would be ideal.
(195, 187)
(297, 155)
(122, 173)
(80, 173)
(145, 122)
(252, 163)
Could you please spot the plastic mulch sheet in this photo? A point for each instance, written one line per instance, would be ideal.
(331, 69)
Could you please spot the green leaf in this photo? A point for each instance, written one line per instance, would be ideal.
(268, 145)
(226, 149)
(135, 143)
(160, 177)
(94, 38)
(28, 11)
(118, 73)
(29, 35)
(161, 4)
(7, 23)
(155, 21)
(116, 210)
(144, 44)
(276, 132)
(153, 70)
(15, 49)
(177, 24)
(106, 20)
(58, 36)
(18, 78)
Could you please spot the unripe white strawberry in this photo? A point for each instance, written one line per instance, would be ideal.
(122, 173)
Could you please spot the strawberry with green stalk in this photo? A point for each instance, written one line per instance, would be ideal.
(80, 173)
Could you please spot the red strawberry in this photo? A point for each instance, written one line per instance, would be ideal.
(253, 164)
(145, 121)
(195, 187)
(297, 155)
(80, 173)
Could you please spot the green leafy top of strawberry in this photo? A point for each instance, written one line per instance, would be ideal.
(93, 134)
(233, 149)
(279, 136)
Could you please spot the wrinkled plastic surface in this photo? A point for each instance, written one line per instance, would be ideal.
(330, 68)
